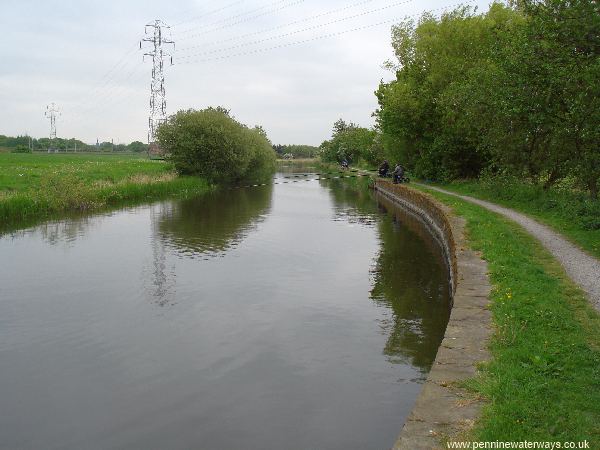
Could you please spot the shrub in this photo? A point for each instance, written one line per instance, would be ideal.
(212, 144)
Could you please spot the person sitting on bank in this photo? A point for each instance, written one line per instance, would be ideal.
(345, 164)
(398, 174)
(384, 169)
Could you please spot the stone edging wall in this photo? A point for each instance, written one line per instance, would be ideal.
(443, 410)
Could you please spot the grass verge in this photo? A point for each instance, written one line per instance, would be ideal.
(569, 212)
(37, 187)
(543, 382)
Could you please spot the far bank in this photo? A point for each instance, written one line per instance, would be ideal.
(35, 187)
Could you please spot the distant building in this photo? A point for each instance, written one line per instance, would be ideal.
(154, 150)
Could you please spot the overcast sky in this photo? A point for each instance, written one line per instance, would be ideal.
(245, 55)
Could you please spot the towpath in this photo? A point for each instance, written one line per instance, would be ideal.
(582, 268)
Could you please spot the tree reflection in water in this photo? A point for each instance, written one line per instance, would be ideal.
(409, 275)
(210, 225)
(202, 227)
(411, 278)
(59, 232)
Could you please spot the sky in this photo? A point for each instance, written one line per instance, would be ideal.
(292, 66)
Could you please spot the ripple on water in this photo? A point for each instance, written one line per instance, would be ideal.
(311, 307)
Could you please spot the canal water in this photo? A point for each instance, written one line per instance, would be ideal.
(294, 316)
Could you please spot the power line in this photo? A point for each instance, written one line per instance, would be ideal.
(121, 99)
(214, 11)
(105, 80)
(260, 41)
(102, 95)
(316, 38)
(230, 18)
(289, 44)
(229, 25)
(295, 22)
(107, 98)
(112, 106)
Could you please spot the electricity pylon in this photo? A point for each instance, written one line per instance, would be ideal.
(158, 101)
(52, 112)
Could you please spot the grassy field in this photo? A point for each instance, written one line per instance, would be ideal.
(572, 213)
(41, 185)
(543, 382)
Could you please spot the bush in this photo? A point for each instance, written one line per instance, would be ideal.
(212, 144)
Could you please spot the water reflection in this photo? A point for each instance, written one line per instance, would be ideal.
(409, 279)
(210, 225)
(409, 275)
(55, 232)
(288, 167)
(203, 227)
(161, 277)
(352, 201)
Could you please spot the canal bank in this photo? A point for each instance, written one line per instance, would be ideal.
(541, 381)
(443, 408)
(37, 188)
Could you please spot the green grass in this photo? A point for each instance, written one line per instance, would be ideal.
(543, 381)
(566, 210)
(25, 172)
(38, 186)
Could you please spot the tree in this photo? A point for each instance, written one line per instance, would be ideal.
(514, 90)
(418, 111)
(137, 147)
(350, 142)
(21, 149)
(558, 60)
(212, 144)
(297, 151)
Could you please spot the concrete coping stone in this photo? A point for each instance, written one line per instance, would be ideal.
(443, 410)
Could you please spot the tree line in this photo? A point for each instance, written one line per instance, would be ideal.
(296, 151)
(512, 92)
(26, 144)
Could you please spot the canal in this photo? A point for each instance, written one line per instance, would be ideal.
(299, 315)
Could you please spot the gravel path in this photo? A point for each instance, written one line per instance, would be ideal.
(582, 268)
